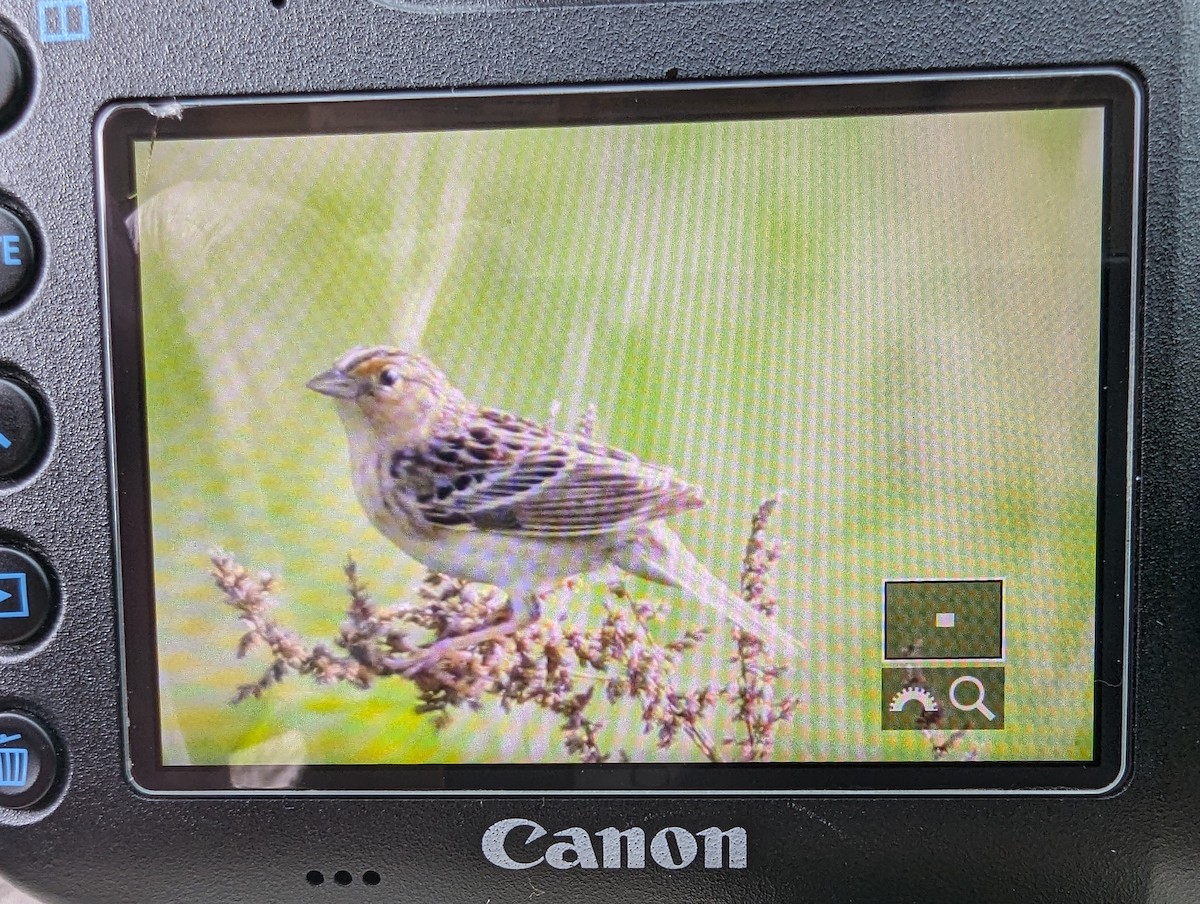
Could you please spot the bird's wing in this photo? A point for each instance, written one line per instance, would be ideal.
(504, 473)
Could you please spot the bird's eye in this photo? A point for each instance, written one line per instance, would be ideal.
(389, 376)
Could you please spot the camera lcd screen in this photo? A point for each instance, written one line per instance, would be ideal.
(749, 437)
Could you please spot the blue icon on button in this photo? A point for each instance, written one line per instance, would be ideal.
(63, 20)
(14, 596)
(14, 763)
(5, 442)
(10, 250)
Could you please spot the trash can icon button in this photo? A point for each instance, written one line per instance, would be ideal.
(28, 761)
(14, 763)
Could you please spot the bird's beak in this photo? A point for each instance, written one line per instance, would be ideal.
(335, 383)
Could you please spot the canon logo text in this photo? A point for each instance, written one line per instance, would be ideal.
(510, 844)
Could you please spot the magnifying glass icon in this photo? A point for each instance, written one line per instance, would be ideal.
(978, 704)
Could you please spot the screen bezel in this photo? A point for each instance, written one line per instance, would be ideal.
(120, 125)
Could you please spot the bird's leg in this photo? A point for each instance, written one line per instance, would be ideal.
(525, 607)
(434, 653)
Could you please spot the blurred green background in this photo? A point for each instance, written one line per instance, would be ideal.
(894, 320)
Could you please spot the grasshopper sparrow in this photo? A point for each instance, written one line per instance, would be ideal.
(483, 495)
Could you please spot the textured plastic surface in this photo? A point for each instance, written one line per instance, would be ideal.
(99, 841)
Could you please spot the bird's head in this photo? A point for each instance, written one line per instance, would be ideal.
(400, 394)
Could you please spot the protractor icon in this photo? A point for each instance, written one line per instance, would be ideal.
(903, 697)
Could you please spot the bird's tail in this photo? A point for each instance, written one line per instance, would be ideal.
(659, 555)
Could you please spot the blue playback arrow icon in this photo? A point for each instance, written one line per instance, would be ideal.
(5, 442)
(4, 596)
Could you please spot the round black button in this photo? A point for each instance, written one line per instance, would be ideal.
(28, 761)
(18, 261)
(14, 82)
(26, 599)
(22, 431)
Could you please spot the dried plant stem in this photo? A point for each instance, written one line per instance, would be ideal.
(565, 670)
(943, 741)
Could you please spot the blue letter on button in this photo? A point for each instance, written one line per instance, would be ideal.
(10, 247)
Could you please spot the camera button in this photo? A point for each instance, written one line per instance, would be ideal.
(22, 430)
(14, 82)
(26, 597)
(28, 761)
(18, 258)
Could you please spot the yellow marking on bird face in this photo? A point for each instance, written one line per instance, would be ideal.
(403, 392)
(389, 367)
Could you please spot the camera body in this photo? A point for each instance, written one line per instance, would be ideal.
(80, 826)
